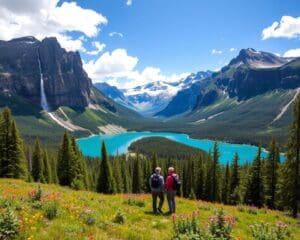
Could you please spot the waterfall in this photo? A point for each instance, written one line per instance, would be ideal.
(44, 102)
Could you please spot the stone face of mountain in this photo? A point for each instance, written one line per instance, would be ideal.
(110, 91)
(65, 81)
(113, 93)
(186, 99)
(250, 74)
(257, 59)
(247, 75)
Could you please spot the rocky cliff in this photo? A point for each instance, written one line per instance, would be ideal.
(65, 81)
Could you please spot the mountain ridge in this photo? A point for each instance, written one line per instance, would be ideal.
(249, 74)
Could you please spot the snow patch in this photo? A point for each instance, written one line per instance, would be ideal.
(209, 118)
(111, 129)
(285, 108)
(67, 124)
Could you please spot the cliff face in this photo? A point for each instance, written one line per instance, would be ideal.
(65, 81)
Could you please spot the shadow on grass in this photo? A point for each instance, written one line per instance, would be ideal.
(157, 214)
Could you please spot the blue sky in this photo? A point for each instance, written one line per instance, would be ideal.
(179, 36)
(157, 39)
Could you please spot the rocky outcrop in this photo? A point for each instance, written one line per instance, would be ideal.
(65, 81)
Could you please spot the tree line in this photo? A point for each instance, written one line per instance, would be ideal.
(264, 182)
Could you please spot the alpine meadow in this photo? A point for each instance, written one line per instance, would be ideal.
(149, 120)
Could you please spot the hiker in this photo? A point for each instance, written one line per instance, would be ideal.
(156, 183)
(172, 185)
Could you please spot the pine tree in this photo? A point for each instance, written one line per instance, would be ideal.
(154, 162)
(215, 173)
(208, 178)
(126, 177)
(226, 185)
(78, 169)
(118, 175)
(53, 165)
(17, 155)
(234, 180)
(137, 177)
(12, 156)
(290, 187)
(64, 160)
(47, 169)
(106, 182)
(272, 165)
(37, 163)
(5, 126)
(201, 179)
(254, 192)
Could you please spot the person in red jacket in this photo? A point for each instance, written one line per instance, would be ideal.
(172, 181)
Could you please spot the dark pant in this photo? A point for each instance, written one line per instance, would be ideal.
(171, 201)
(161, 197)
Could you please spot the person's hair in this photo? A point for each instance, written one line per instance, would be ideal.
(157, 169)
(171, 169)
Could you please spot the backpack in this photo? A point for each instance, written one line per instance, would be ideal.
(176, 183)
(155, 182)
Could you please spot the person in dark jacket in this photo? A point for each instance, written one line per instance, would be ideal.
(156, 183)
(170, 189)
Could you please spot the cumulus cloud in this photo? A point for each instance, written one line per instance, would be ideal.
(292, 53)
(112, 34)
(119, 69)
(232, 49)
(98, 48)
(129, 2)
(115, 64)
(215, 52)
(46, 18)
(288, 27)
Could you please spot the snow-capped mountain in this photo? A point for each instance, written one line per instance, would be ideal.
(151, 98)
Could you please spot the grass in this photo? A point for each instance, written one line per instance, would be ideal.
(88, 215)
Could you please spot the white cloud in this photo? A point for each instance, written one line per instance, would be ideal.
(288, 27)
(98, 48)
(119, 69)
(115, 64)
(232, 49)
(215, 51)
(292, 53)
(46, 18)
(112, 34)
(129, 2)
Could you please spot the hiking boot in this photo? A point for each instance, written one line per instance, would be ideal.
(159, 210)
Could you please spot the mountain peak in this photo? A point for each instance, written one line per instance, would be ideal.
(257, 59)
(26, 39)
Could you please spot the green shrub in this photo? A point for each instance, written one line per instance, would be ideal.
(220, 226)
(51, 210)
(3, 203)
(77, 184)
(135, 202)
(187, 228)
(120, 217)
(37, 205)
(265, 231)
(9, 225)
(35, 194)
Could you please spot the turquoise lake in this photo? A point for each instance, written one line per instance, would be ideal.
(119, 143)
